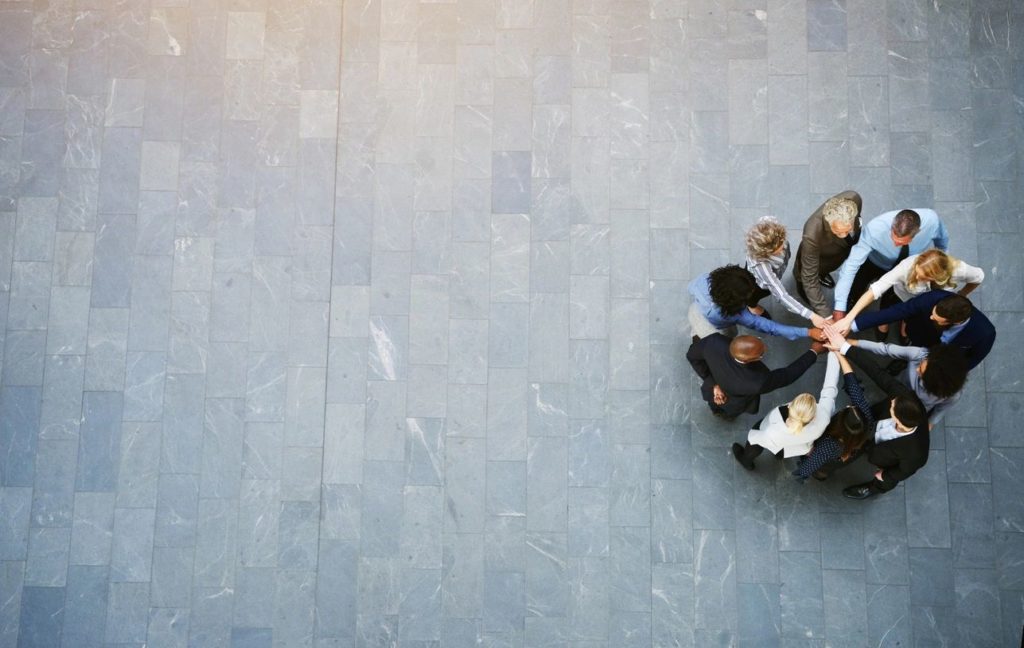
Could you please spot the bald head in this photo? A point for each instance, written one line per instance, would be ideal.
(746, 348)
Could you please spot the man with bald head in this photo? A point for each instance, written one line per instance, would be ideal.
(734, 376)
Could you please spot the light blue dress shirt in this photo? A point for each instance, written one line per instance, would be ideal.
(876, 245)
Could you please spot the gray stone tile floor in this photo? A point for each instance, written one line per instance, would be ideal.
(362, 323)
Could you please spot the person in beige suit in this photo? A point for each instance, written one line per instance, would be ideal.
(828, 235)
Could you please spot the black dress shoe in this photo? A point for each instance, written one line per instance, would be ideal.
(737, 452)
(828, 281)
(859, 492)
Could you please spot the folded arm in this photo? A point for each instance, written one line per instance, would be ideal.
(695, 354)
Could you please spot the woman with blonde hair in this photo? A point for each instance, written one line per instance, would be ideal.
(767, 257)
(791, 429)
(916, 275)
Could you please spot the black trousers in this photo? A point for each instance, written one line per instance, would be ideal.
(868, 274)
(752, 451)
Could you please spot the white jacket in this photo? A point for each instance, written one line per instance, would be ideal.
(774, 435)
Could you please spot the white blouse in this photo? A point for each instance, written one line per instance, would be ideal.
(897, 278)
(774, 435)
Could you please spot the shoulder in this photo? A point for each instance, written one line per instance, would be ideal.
(716, 342)
(928, 299)
(880, 223)
(815, 224)
(981, 322)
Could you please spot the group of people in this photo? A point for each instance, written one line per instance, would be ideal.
(900, 259)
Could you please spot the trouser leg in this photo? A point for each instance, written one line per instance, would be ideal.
(701, 327)
(866, 275)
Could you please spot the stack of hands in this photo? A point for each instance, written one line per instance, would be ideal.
(828, 335)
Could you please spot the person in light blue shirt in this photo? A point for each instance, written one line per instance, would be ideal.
(885, 241)
(720, 300)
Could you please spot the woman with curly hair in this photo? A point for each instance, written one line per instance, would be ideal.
(767, 257)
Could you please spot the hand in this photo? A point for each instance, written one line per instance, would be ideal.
(878, 475)
(818, 321)
(817, 347)
(837, 315)
(720, 397)
(816, 334)
(844, 325)
(835, 338)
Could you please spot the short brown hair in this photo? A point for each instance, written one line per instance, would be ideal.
(906, 223)
(955, 308)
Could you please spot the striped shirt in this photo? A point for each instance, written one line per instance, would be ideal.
(768, 275)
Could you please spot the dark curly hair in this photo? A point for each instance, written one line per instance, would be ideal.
(946, 371)
(731, 288)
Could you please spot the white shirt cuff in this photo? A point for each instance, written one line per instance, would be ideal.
(846, 347)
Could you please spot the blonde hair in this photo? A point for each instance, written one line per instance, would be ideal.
(841, 210)
(933, 266)
(801, 412)
(764, 237)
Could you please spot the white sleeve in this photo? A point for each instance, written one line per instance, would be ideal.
(965, 274)
(897, 275)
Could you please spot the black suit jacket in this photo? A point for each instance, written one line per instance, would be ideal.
(975, 340)
(902, 457)
(742, 383)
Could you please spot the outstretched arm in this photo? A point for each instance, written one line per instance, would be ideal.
(786, 375)
(771, 327)
(877, 374)
(853, 389)
(908, 353)
(858, 254)
(845, 324)
(766, 276)
(903, 310)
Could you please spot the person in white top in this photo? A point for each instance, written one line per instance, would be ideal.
(916, 275)
(791, 429)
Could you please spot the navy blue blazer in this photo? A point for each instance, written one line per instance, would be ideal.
(976, 339)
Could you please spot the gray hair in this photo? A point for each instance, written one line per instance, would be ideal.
(764, 237)
(839, 210)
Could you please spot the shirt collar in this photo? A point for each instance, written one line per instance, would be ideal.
(952, 331)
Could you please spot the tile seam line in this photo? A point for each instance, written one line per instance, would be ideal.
(330, 304)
